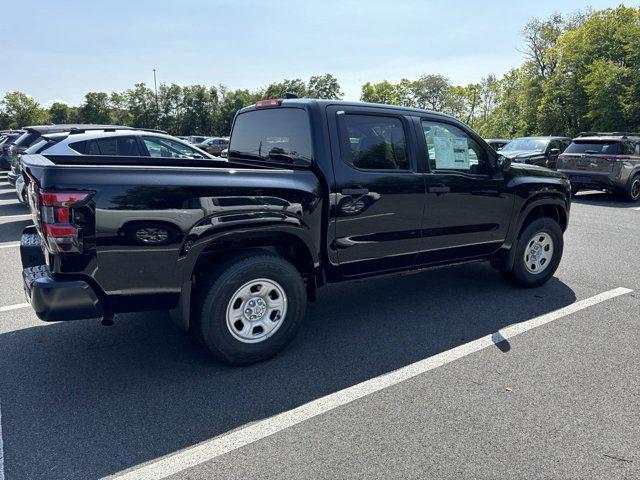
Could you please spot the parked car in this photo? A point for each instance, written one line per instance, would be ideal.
(214, 145)
(116, 142)
(542, 151)
(8, 139)
(112, 141)
(497, 143)
(604, 161)
(32, 135)
(313, 192)
(196, 139)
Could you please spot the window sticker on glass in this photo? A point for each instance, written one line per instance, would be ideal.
(451, 153)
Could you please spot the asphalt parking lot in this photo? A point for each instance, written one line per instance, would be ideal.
(445, 374)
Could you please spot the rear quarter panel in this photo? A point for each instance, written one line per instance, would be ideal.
(197, 206)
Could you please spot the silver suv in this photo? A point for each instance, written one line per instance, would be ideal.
(604, 161)
(130, 143)
(111, 142)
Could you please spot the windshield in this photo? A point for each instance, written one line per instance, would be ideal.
(527, 144)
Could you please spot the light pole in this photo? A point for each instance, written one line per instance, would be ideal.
(155, 87)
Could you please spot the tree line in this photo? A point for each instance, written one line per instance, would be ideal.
(581, 72)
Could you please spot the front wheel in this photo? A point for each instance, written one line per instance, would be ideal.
(538, 253)
(253, 307)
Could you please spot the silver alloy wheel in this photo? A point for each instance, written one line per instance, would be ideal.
(152, 235)
(256, 311)
(635, 188)
(538, 253)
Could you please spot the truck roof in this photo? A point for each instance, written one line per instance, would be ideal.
(292, 102)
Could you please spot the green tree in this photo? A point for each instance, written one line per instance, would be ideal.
(278, 90)
(60, 113)
(232, 101)
(432, 92)
(324, 86)
(385, 92)
(119, 111)
(22, 110)
(95, 108)
(141, 105)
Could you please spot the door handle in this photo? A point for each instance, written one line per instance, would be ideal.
(354, 191)
(439, 189)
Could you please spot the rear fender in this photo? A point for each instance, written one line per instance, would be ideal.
(217, 237)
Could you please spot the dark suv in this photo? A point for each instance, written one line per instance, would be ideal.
(6, 140)
(604, 161)
(542, 151)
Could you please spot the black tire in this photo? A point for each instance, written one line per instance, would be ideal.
(519, 274)
(220, 287)
(632, 192)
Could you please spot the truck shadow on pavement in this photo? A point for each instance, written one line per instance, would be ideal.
(84, 401)
(11, 231)
(603, 199)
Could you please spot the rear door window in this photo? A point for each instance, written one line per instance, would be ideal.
(116, 146)
(275, 135)
(372, 142)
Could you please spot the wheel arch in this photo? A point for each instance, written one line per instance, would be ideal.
(555, 207)
(290, 245)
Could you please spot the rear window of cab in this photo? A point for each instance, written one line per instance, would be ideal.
(272, 135)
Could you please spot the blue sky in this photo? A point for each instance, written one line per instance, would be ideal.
(59, 50)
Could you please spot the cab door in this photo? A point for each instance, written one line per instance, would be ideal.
(467, 206)
(378, 195)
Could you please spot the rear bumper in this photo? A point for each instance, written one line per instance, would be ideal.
(596, 180)
(53, 299)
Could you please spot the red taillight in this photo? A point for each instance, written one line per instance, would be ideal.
(63, 199)
(272, 102)
(56, 208)
(615, 157)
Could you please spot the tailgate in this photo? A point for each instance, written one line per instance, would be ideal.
(587, 163)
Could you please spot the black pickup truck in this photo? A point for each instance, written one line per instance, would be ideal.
(313, 192)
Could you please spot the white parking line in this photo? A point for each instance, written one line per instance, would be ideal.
(637, 208)
(13, 307)
(210, 449)
(26, 216)
(9, 244)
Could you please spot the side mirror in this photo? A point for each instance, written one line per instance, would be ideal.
(554, 152)
(504, 164)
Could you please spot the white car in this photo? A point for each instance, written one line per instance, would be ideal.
(131, 143)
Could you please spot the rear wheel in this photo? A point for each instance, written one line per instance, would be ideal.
(538, 253)
(632, 192)
(252, 308)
